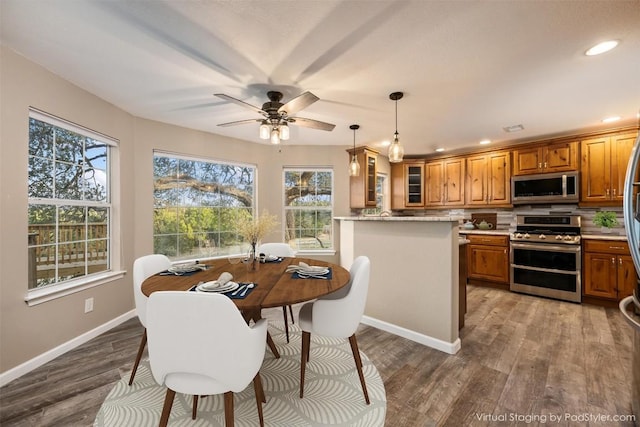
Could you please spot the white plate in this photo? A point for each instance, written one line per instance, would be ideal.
(313, 270)
(184, 268)
(209, 287)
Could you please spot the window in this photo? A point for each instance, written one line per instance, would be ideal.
(308, 208)
(70, 211)
(196, 205)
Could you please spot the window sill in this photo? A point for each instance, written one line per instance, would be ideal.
(49, 293)
(327, 252)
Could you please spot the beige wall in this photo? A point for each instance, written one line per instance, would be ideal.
(26, 332)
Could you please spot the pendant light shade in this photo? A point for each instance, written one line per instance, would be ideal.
(354, 166)
(396, 152)
(284, 131)
(275, 136)
(265, 130)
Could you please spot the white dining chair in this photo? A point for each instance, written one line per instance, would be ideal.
(144, 267)
(199, 344)
(280, 250)
(337, 315)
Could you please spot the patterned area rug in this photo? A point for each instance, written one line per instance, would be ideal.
(332, 395)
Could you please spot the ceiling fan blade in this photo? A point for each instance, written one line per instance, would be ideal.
(240, 122)
(298, 103)
(242, 103)
(310, 123)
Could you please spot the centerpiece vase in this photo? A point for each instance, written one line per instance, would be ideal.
(253, 257)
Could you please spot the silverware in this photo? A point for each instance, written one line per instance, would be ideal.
(241, 287)
(249, 286)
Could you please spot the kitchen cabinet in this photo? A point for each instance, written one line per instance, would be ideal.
(608, 270)
(555, 157)
(363, 187)
(488, 258)
(603, 167)
(444, 182)
(488, 180)
(408, 184)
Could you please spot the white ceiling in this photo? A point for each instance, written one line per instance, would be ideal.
(467, 68)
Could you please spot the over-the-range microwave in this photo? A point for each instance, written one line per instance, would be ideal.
(559, 187)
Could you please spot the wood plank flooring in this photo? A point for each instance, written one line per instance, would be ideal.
(523, 359)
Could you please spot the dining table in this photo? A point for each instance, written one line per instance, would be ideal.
(271, 284)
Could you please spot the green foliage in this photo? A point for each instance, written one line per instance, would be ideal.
(606, 219)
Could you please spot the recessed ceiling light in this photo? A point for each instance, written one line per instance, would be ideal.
(386, 143)
(602, 48)
(439, 150)
(485, 142)
(513, 128)
(611, 119)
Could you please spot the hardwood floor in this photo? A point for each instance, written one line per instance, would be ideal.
(523, 360)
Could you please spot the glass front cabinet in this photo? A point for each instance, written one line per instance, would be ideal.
(363, 187)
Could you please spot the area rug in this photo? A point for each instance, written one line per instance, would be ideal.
(332, 396)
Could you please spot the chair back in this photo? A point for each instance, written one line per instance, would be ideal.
(339, 313)
(144, 267)
(277, 249)
(200, 344)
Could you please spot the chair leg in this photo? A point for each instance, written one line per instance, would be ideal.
(286, 321)
(356, 357)
(272, 346)
(143, 343)
(194, 410)
(228, 409)
(166, 409)
(257, 387)
(293, 321)
(304, 356)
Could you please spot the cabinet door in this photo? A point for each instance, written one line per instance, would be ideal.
(476, 189)
(560, 157)
(370, 177)
(499, 178)
(626, 276)
(527, 161)
(488, 263)
(595, 176)
(621, 146)
(433, 182)
(600, 275)
(414, 181)
(454, 182)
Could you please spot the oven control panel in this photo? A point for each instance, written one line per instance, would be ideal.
(569, 239)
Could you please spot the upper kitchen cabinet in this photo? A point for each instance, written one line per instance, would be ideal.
(488, 179)
(444, 182)
(408, 184)
(603, 167)
(363, 187)
(555, 157)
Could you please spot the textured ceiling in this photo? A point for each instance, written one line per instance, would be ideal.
(467, 68)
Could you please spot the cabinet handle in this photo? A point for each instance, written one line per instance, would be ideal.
(614, 192)
(505, 251)
(616, 247)
(540, 165)
(545, 165)
(620, 261)
(607, 192)
(613, 260)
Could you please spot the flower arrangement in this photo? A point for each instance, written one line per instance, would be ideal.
(605, 219)
(254, 229)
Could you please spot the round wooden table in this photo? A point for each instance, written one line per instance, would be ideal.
(274, 286)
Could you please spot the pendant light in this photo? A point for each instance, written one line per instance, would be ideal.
(354, 166)
(396, 152)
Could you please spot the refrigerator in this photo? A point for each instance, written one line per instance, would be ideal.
(630, 306)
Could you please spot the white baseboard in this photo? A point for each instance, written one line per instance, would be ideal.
(446, 347)
(30, 365)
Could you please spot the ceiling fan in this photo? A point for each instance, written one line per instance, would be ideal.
(278, 116)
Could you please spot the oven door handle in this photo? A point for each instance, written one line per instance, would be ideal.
(546, 270)
(545, 247)
(623, 309)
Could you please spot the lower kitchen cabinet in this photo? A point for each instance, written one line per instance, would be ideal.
(608, 270)
(488, 258)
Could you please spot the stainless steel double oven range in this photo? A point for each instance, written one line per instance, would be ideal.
(546, 256)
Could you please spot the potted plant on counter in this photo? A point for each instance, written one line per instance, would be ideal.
(606, 220)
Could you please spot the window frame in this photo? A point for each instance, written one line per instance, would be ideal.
(114, 271)
(317, 251)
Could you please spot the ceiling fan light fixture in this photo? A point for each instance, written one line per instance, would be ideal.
(354, 166)
(275, 136)
(265, 130)
(396, 152)
(284, 131)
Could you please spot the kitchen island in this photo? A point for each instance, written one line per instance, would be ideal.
(413, 290)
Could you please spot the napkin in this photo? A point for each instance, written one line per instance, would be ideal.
(222, 280)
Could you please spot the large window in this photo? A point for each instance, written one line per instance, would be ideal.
(197, 203)
(70, 212)
(308, 208)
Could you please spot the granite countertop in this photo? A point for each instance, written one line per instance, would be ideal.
(616, 237)
(401, 218)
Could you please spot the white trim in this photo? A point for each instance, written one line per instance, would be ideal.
(444, 346)
(190, 158)
(315, 252)
(43, 116)
(28, 366)
(47, 293)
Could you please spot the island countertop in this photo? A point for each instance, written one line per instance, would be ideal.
(401, 218)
